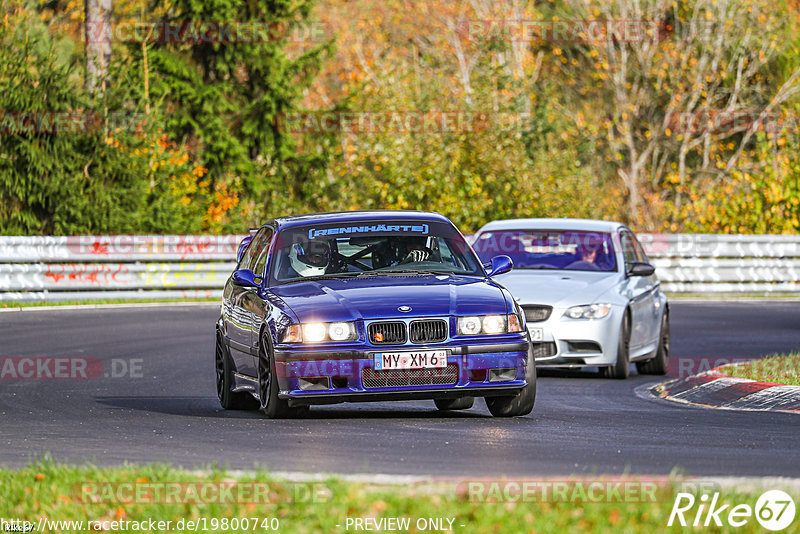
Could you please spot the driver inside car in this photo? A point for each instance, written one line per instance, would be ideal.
(415, 250)
(311, 258)
(589, 254)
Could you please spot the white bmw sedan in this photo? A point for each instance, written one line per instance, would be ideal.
(591, 298)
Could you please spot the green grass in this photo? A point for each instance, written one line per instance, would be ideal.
(781, 369)
(63, 493)
(12, 304)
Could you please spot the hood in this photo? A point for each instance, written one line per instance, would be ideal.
(557, 288)
(378, 297)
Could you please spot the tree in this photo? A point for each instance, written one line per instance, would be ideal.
(223, 97)
(691, 60)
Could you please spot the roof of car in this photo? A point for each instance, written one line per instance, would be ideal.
(354, 216)
(587, 225)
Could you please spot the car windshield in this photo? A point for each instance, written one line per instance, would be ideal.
(366, 248)
(549, 249)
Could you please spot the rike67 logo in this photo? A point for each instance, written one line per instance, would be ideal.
(774, 511)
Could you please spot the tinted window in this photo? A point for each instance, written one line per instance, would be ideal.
(549, 249)
(374, 247)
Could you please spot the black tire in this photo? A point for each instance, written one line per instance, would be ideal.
(464, 403)
(521, 403)
(659, 364)
(621, 369)
(272, 406)
(224, 370)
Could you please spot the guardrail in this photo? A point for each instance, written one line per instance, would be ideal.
(718, 264)
(166, 267)
(115, 267)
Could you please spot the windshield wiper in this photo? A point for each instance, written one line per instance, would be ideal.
(330, 276)
(408, 271)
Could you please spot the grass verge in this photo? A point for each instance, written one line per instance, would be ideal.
(142, 493)
(780, 369)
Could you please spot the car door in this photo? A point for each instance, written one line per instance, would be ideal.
(252, 301)
(239, 320)
(638, 291)
(653, 326)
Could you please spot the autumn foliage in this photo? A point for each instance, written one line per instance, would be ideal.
(672, 116)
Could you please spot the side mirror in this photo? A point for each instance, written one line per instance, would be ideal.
(501, 264)
(244, 278)
(640, 268)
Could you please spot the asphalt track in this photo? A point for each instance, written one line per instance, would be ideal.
(582, 424)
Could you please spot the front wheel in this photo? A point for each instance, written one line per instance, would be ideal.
(621, 369)
(521, 403)
(270, 404)
(659, 364)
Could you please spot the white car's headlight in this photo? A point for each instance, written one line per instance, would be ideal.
(319, 332)
(488, 324)
(588, 311)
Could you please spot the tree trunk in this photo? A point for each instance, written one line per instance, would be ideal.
(98, 44)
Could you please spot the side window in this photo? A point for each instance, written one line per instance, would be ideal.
(640, 255)
(251, 254)
(261, 262)
(628, 247)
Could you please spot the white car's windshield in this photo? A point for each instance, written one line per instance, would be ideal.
(549, 249)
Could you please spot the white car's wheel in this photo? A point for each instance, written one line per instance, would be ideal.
(621, 369)
(659, 364)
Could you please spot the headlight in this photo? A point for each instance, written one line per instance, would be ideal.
(588, 311)
(488, 324)
(319, 332)
(341, 331)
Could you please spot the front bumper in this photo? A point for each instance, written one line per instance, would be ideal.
(573, 343)
(347, 374)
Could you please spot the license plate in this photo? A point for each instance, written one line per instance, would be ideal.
(410, 360)
(537, 334)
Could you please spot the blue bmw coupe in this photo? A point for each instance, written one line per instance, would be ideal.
(369, 306)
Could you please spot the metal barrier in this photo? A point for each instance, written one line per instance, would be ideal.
(165, 267)
(718, 264)
(115, 267)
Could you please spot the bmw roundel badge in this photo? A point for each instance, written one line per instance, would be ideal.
(404, 308)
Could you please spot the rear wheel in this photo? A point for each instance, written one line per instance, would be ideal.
(228, 399)
(464, 403)
(621, 369)
(271, 405)
(521, 403)
(659, 364)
